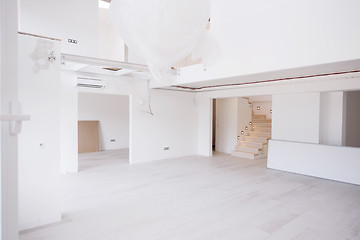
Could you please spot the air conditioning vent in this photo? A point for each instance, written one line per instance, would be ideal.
(112, 69)
(90, 83)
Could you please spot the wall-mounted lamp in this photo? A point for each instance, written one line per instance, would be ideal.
(258, 107)
(246, 128)
(250, 123)
(242, 132)
(271, 111)
(238, 137)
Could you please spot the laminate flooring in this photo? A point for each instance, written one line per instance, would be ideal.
(199, 198)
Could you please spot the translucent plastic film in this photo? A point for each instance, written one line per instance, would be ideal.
(161, 31)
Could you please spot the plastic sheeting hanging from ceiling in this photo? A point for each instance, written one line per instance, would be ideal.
(163, 32)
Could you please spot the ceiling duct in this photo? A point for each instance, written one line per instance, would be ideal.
(90, 82)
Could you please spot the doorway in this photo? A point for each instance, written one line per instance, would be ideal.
(103, 125)
(214, 125)
(242, 126)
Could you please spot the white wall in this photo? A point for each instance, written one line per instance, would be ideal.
(319, 84)
(264, 43)
(263, 36)
(265, 107)
(82, 20)
(321, 161)
(8, 142)
(226, 124)
(205, 126)
(69, 126)
(296, 117)
(352, 137)
(63, 19)
(330, 162)
(112, 111)
(39, 142)
(331, 118)
(244, 116)
(111, 46)
(174, 125)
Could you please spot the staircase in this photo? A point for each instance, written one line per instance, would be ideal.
(254, 145)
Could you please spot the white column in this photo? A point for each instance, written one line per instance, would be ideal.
(9, 157)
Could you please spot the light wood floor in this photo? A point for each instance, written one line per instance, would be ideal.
(218, 198)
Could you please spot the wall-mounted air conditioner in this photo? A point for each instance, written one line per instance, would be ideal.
(90, 82)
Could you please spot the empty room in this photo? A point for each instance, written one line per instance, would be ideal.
(180, 119)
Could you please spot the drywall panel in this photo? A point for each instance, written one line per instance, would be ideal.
(170, 131)
(352, 137)
(331, 118)
(296, 117)
(76, 20)
(262, 108)
(330, 162)
(69, 123)
(226, 124)
(88, 137)
(112, 111)
(39, 143)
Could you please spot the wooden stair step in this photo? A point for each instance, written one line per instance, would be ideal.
(261, 124)
(258, 116)
(250, 144)
(261, 121)
(243, 155)
(255, 139)
(262, 129)
(254, 150)
(260, 134)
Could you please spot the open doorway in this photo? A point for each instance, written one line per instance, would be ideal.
(103, 129)
(214, 125)
(242, 126)
(351, 116)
